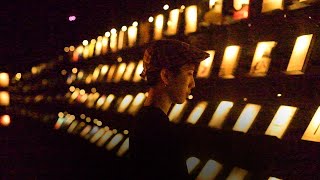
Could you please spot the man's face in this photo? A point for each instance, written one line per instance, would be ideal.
(180, 85)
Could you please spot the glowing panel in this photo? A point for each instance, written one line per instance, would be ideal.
(114, 141)
(105, 42)
(197, 112)
(210, 170)
(312, 132)
(85, 131)
(98, 46)
(78, 52)
(113, 40)
(120, 71)
(100, 101)
(177, 111)
(191, 21)
(269, 5)
(192, 163)
(139, 69)
(5, 120)
(237, 174)
(238, 4)
(205, 66)
(125, 103)
(132, 35)
(4, 79)
(299, 54)
(273, 178)
(92, 132)
(86, 52)
(261, 59)
(91, 47)
(108, 102)
(229, 62)
(103, 71)
(121, 39)
(104, 138)
(137, 103)
(247, 117)
(97, 135)
(220, 114)
(96, 73)
(281, 121)
(129, 70)
(123, 148)
(111, 72)
(158, 27)
(173, 22)
(4, 98)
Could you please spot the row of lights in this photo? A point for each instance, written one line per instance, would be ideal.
(5, 119)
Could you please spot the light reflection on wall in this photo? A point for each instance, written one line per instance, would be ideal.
(246, 118)
(312, 132)
(299, 54)
(197, 112)
(191, 19)
(229, 62)
(176, 113)
(220, 114)
(210, 170)
(281, 121)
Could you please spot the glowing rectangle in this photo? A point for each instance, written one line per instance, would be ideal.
(139, 69)
(97, 135)
(312, 132)
(136, 103)
(4, 79)
(59, 122)
(129, 71)
(123, 148)
(273, 178)
(4, 98)
(92, 132)
(91, 47)
(173, 22)
(299, 54)
(237, 173)
(113, 40)
(281, 121)
(205, 66)
(114, 141)
(210, 170)
(105, 43)
(108, 102)
(220, 114)
(247, 117)
(125, 103)
(85, 131)
(120, 71)
(103, 72)
(72, 126)
(261, 59)
(121, 40)
(100, 101)
(104, 138)
(191, 19)
(111, 72)
(98, 47)
(238, 4)
(229, 62)
(158, 27)
(269, 5)
(96, 73)
(197, 112)
(177, 112)
(192, 163)
(132, 35)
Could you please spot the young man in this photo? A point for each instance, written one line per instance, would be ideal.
(155, 144)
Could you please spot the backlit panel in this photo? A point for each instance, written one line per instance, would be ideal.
(237, 174)
(158, 27)
(136, 103)
(312, 132)
(220, 114)
(192, 163)
(205, 66)
(125, 103)
(173, 22)
(229, 62)
(197, 112)
(177, 112)
(270, 5)
(191, 19)
(210, 170)
(247, 117)
(281, 121)
(114, 141)
(123, 148)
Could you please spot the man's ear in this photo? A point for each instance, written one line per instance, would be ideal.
(164, 75)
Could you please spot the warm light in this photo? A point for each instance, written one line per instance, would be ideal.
(123, 148)
(96, 73)
(60, 115)
(299, 54)
(104, 138)
(136, 103)
(312, 132)
(85, 42)
(113, 40)
(92, 132)
(5, 120)
(34, 70)
(135, 24)
(105, 42)
(71, 48)
(114, 141)
(119, 59)
(72, 126)
(17, 77)
(124, 28)
(100, 101)
(237, 173)
(191, 17)
(173, 22)
(97, 135)
(150, 19)
(212, 3)
(261, 60)
(107, 34)
(158, 27)
(166, 7)
(85, 131)
(132, 35)
(273, 178)
(205, 66)
(281, 121)
(229, 62)
(197, 112)
(108, 102)
(129, 70)
(237, 4)
(66, 49)
(176, 112)
(104, 70)
(125, 103)
(59, 122)
(4, 98)
(220, 114)
(4, 79)
(210, 170)
(120, 71)
(269, 5)
(190, 97)
(279, 95)
(121, 43)
(98, 47)
(183, 7)
(72, 18)
(111, 72)
(139, 69)
(246, 118)
(192, 163)
(74, 70)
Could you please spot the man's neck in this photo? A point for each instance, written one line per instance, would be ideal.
(158, 98)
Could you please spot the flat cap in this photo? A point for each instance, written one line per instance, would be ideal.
(170, 53)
